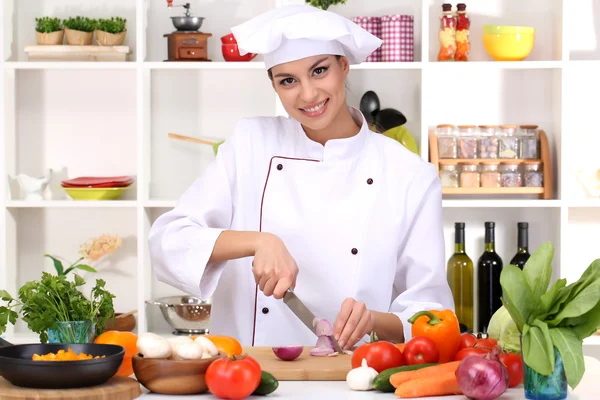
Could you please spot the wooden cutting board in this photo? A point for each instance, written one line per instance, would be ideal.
(303, 368)
(117, 388)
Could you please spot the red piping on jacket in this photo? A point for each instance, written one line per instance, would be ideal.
(260, 224)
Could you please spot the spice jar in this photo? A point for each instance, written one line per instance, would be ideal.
(508, 142)
(490, 174)
(488, 141)
(533, 175)
(511, 176)
(467, 141)
(463, 24)
(447, 34)
(446, 141)
(528, 138)
(449, 176)
(469, 174)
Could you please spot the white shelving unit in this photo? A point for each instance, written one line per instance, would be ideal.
(112, 118)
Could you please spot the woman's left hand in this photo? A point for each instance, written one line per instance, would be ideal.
(352, 323)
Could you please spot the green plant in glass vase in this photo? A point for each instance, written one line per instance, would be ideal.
(55, 307)
(552, 322)
(324, 4)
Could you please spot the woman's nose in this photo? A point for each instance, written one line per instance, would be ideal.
(309, 93)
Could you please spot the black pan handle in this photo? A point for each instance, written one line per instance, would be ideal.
(4, 343)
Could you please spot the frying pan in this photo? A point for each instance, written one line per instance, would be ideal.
(17, 367)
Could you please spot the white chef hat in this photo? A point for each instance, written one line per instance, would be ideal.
(291, 33)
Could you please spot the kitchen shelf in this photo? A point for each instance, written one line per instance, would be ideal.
(113, 118)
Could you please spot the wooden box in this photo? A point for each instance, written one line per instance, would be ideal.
(77, 53)
(188, 46)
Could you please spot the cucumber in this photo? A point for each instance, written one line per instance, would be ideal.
(382, 380)
(268, 384)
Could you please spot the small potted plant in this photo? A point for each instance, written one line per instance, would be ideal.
(111, 32)
(324, 4)
(79, 30)
(49, 31)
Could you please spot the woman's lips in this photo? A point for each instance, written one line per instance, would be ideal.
(316, 110)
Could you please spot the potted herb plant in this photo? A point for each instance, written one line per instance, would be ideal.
(552, 322)
(49, 31)
(111, 32)
(79, 30)
(324, 4)
(55, 308)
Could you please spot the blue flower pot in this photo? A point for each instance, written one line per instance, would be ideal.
(72, 332)
(541, 387)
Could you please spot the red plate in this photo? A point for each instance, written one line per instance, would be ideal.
(94, 181)
(99, 185)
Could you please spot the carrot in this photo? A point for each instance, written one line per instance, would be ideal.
(436, 385)
(400, 377)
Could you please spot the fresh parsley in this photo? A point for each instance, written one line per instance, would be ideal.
(54, 298)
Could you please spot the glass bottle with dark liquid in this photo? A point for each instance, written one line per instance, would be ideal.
(460, 279)
(489, 268)
(522, 246)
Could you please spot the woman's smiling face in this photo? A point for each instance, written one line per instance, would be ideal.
(312, 89)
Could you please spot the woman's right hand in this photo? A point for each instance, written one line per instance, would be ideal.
(274, 269)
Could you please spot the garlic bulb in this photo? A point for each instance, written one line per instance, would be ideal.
(361, 378)
(190, 351)
(150, 345)
(208, 348)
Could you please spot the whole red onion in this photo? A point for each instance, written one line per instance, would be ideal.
(483, 377)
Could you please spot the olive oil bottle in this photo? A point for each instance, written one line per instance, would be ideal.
(522, 246)
(489, 268)
(460, 279)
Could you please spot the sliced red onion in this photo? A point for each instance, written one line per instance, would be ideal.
(323, 347)
(288, 353)
(322, 327)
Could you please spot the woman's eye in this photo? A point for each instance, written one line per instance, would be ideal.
(320, 70)
(287, 81)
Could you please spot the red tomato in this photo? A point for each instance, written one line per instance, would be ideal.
(471, 351)
(421, 350)
(514, 366)
(467, 340)
(233, 378)
(380, 355)
(487, 344)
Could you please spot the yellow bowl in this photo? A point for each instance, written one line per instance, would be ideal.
(508, 43)
(95, 193)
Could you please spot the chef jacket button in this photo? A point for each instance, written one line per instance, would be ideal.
(265, 310)
(354, 250)
(369, 181)
(279, 167)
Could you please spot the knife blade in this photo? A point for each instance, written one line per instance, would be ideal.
(305, 315)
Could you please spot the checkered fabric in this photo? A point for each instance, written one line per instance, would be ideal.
(397, 33)
(373, 26)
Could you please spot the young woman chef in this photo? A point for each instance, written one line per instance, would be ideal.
(348, 218)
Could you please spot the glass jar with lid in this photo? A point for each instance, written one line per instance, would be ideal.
(508, 142)
(449, 175)
(529, 145)
(487, 141)
(469, 174)
(510, 174)
(490, 174)
(533, 175)
(446, 137)
(467, 141)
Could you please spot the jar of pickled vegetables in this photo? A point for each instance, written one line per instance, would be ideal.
(447, 34)
(511, 176)
(463, 23)
(508, 142)
(487, 141)
(446, 141)
(467, 141)
(490, 174)
(449, 176)
(469, 174)
(533, 176)
(528, 142)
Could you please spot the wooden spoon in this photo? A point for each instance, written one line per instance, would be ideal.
(190, 139)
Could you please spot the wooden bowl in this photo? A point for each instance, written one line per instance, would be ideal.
(125, 324)
(165, 376)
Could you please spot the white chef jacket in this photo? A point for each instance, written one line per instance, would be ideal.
(362, 217)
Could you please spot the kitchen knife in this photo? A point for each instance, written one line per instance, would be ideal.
(305, 315)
